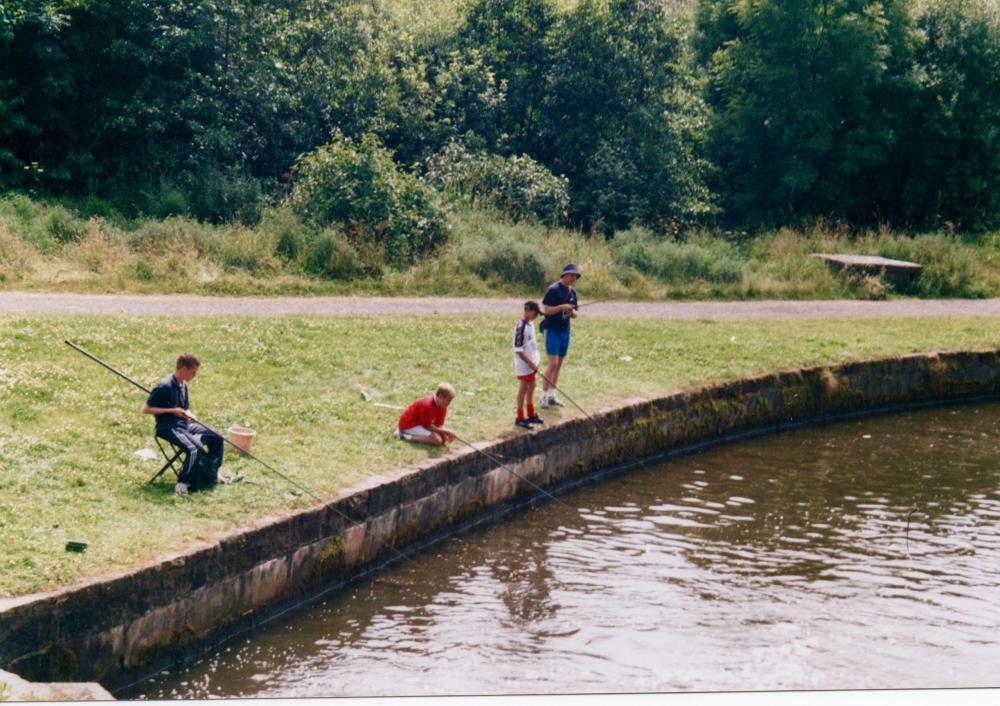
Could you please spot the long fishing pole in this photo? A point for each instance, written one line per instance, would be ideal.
(496, 459)
(510, 470)
(585, 412)
(595, 301)
(401, 554)
(145, 389)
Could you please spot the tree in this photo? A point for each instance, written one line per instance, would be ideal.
(808, 98)
(951, 153)
(513, 37)
(624, 120)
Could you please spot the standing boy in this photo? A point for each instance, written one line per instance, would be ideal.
(175, 423)
(559, 306)
(423, 421)
(526, 360)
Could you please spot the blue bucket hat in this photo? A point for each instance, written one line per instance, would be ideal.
(571, 269)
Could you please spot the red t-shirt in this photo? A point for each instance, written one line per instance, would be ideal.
(422, 413)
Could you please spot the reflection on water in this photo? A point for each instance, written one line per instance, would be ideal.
(780, 563)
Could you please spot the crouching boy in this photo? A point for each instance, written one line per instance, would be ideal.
(526, 359)
(423, 421)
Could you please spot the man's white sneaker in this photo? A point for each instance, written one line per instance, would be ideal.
(181, 489)
(553, 402)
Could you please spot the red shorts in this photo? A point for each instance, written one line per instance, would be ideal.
(530, 377)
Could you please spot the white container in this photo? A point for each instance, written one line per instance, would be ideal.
(241, 438)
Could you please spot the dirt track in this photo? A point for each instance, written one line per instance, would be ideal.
(193, 305)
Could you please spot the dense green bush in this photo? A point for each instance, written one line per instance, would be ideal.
(518, 187)
(103, 209)
(286, 231)
(861, 110)
(165, 200)
(358, 186)
(655, 112)
(514, 38)
(219, 196)
(330, 256)
(950, 270)
(63, 226)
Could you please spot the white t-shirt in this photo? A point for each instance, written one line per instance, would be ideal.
(525, 342)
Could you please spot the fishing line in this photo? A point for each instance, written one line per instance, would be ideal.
(496, 459)
(271, 468)
(510, 470)
(226, 440)
(595, 301)
(908, 515)
(585, 412)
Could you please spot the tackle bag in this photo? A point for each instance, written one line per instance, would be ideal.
(204, 474)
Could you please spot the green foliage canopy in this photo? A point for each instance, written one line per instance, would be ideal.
(656, 113)
(799, 90)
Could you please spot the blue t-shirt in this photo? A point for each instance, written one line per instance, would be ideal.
(169, 393)
(556, 295)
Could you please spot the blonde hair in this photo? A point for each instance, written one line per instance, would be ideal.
(445, 390)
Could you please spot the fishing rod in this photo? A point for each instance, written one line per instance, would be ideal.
(401, 554)
(510, 470)
(496, 459)
(585, 412)
(145, 389)
(591, 303)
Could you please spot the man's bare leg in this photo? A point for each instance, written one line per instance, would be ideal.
(551, 378)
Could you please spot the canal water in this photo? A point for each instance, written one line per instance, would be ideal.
(783, 562)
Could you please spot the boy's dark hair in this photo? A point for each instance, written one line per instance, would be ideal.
(187, 360)
(533, 306)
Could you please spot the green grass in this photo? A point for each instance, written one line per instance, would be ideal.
(51, 247)
(69, 429)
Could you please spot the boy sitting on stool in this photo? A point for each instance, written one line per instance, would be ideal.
(423, 421)
(526, 359)
(175, 423)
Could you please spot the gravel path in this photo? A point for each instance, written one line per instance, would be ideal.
(194, 305)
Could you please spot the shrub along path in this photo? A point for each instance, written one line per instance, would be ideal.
(197, 305)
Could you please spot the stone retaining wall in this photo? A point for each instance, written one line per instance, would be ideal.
(117, 629)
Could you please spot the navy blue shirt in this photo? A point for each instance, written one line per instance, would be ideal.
(169, 393)
(556, 295)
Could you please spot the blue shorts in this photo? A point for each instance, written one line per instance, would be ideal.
(556, 343)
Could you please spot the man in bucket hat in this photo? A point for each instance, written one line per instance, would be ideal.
(559, 306)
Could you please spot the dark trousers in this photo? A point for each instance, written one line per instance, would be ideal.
(185, 438)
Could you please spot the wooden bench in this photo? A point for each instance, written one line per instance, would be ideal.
(873, 264)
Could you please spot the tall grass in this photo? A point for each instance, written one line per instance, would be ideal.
(73, 247)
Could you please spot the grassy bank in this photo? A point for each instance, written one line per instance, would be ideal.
(69, 430)
(90, 248)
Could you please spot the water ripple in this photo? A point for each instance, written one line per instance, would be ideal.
(861, 555)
